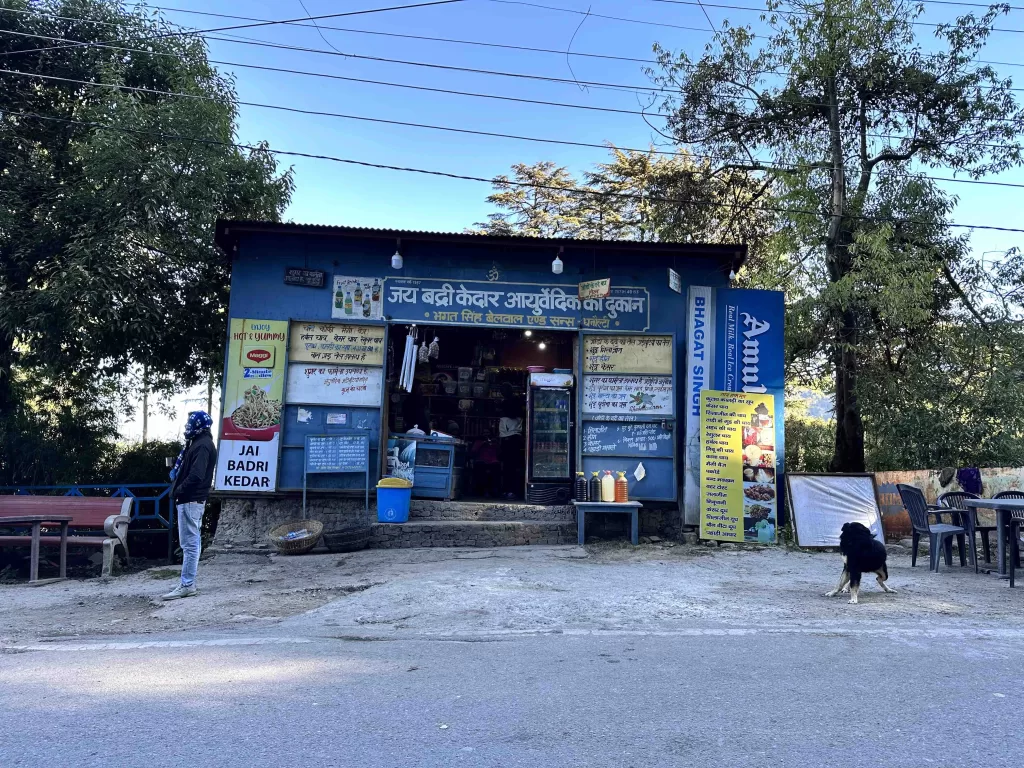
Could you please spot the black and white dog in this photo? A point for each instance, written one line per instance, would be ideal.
(862, 553)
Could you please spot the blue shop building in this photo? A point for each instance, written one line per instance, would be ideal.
(485, 369)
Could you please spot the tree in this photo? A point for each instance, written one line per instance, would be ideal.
(840, 93)
(108, 198)
(642, 196)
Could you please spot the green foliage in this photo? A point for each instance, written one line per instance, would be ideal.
(841, 106)
(642, 196)
(809, 439)
(141, 462)
(108, 199)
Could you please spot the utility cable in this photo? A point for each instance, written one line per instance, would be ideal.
(766, 165)
(466, 177)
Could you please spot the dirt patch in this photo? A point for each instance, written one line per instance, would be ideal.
(477, 593)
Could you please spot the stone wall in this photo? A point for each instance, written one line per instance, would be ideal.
(471, 534)
(246, 522)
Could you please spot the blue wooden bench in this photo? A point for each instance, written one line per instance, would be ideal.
(631, 508)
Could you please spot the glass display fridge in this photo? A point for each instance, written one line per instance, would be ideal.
(549, 438)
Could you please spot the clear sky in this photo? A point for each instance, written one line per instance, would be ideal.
(330, 193)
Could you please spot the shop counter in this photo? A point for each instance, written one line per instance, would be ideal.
(440, 464)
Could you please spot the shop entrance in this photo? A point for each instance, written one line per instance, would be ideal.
(468, 424)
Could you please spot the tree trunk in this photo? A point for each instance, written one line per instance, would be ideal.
(849, 448)
(7, 448)
(145, 406)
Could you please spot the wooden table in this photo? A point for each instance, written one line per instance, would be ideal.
(36, 522)
(631, 508)
(1002, 507)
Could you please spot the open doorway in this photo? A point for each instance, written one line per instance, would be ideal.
(472, 400)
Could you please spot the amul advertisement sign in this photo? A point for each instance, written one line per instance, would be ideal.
(250, 432)
(750, 353)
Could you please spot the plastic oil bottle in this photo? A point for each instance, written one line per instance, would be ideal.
(580, 487)
(621, 488)
(608, 486)
(594, 491)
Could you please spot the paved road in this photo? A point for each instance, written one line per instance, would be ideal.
(702, 695)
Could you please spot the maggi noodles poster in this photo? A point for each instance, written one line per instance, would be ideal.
(739, 490)
(250, 431)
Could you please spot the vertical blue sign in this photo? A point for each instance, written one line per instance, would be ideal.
(750, 349)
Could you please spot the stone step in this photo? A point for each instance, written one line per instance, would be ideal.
(466, 533)
(496, 511)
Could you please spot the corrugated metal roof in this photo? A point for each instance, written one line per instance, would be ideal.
(228, 230)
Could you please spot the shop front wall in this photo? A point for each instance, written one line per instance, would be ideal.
(259, 292)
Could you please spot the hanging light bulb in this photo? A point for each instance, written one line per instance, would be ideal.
(527, 334)
(542, 346)
(556, 265)
(397, 262)
(732, 274)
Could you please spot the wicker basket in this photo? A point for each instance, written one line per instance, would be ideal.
(298, 546)
(348, 539)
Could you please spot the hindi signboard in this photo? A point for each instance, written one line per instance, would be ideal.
(595, 289)
(628, 395)
(623, 439)
(627, 354)
(336, 344)
(513, 305)
(334, 385)
(310, 278)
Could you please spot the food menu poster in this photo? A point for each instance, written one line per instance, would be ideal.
(739, 490)
(357, 298)
(253, 390)
(627, 354)
(336, 343)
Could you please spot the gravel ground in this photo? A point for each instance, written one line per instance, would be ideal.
(515, 589)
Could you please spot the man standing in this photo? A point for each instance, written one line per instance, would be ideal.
(191, 479)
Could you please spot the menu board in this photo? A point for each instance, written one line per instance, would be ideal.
(739, 493)
(619, 439)
(628, 395)
(627, 354)
(337, 453)
(336, 343)
(334, 385)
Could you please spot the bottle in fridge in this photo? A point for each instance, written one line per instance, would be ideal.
(549, 443)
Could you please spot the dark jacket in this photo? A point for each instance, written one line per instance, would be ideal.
(195, 475)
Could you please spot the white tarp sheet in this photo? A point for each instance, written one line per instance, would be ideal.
(821, 504)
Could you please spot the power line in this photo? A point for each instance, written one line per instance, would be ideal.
(653, 91)
(691, 29)
(807, 13)
(766, 165)
(465, 177)
(263, 23)
(447, 91)
(506, 46)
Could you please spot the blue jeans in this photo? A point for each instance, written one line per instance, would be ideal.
(190, 523)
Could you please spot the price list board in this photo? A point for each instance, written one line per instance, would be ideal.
(339, 453)
(623, 439)
(738, 485)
